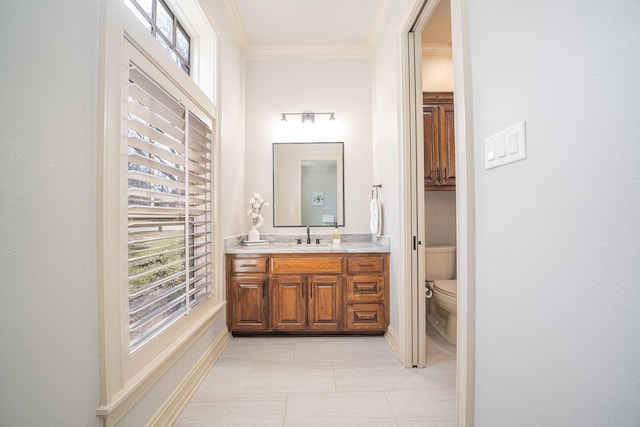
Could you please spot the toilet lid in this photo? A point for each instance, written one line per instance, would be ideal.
(447, 287)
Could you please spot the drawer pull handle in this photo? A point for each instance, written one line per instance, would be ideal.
(247, 265)
(289, 286)
(242, 285)
(365, 287)
(325, 286)
(366, 316)
(366, 265)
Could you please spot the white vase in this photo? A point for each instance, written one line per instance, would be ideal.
(254, 234)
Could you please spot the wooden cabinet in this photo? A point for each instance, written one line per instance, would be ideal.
(306, 303)
(366, 291)
(247, 307)
(309, 301)
(439, 141)
(288, 303)
(307, 293)
(324, 311)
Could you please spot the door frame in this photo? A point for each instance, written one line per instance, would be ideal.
(465, 202)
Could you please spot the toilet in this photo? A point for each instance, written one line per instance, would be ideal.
(440, 269)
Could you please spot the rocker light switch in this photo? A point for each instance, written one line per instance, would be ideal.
(506, 146)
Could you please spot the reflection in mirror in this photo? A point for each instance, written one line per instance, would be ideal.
(308, 187)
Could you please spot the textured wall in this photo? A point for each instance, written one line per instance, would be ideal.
(558, 325)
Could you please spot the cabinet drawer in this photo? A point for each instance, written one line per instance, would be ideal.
(306, 265)
(365, 288)
(364, 264)
(365, 317)
(249, 265)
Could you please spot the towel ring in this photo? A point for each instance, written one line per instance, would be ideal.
(376, 187)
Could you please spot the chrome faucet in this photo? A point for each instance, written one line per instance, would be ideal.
(308, 236)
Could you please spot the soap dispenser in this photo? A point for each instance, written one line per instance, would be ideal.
(336, 235)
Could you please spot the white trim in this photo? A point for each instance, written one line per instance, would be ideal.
(437, 50)
(382, 6)
(170, 410)
(465, 205)
(235, 22)
(327, 51)
(112, 337)
(392, 338)
(136, 387)
(465, 208)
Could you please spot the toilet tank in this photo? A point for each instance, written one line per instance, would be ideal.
(440, 262)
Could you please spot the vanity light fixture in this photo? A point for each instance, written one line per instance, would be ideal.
(307, 117)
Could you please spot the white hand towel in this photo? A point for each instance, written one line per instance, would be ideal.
(375, 218)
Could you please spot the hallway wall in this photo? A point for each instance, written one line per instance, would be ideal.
(558, 236)
(49, 356)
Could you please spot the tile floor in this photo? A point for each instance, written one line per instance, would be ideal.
(324, 381)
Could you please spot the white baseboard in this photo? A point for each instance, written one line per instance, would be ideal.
(392, 338)
(171, 409)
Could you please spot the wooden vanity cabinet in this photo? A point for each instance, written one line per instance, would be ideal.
(307, 293)
(439, 141)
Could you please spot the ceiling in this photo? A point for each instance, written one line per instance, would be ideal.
(286, 28)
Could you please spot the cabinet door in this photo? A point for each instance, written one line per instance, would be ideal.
(248, 308)
(288, 303)
(431, 157)
(324, 302)
(447, 146)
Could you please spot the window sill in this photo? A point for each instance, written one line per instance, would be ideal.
(138, 385)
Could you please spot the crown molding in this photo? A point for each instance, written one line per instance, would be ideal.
(437, 50)
(382, 6)
(324, 51)
(336, 50)
(235, 21)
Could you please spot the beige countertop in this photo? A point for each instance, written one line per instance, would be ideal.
(287, 244)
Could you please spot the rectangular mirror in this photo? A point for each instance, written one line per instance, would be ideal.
(308, 184)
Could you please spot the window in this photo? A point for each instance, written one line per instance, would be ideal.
(169, 208)
(156, 16)
(159, 284)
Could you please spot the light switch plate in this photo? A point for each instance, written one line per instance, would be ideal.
(506, 146)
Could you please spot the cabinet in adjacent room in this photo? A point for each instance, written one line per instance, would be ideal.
(439, 141)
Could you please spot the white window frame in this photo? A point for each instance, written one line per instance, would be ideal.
(126, 377)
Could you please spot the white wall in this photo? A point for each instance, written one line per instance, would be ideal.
(437, 74)
(388, 160)
(48, 81)
(231, 110)
(440, 217)
(558, 235)
(343, 86)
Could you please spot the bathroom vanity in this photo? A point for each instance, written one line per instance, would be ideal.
(308, 289)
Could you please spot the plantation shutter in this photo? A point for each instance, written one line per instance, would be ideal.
(169, 208)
